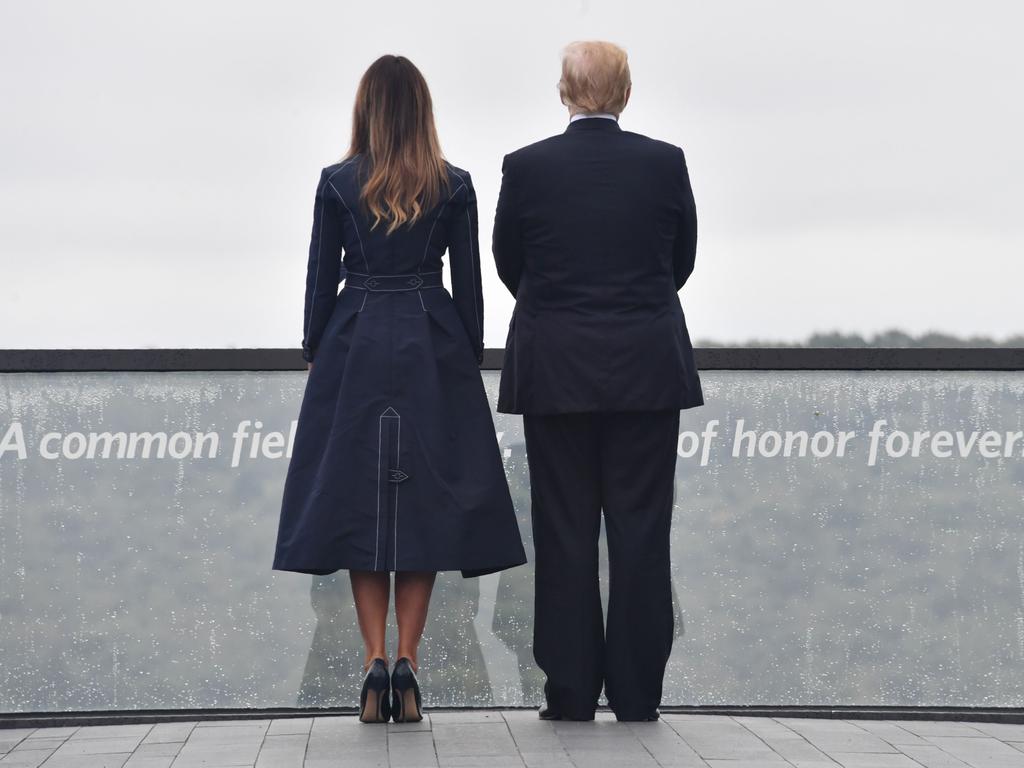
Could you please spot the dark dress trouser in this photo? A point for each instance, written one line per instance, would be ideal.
(624, 463)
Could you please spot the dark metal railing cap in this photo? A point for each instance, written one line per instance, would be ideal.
(708, 359)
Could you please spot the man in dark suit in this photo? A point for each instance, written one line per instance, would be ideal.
(595, 233)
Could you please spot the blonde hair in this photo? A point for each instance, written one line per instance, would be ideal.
(595, 77)
(393, 127)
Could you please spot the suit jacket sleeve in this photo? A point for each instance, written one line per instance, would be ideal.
(685, 250)
(464, 253)
(323, 270)
(506, 242)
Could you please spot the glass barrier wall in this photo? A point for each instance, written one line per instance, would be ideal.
(839, 538)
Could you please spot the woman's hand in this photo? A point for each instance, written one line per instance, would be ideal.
(309, 366)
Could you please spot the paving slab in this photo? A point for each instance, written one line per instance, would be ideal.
(519, 739)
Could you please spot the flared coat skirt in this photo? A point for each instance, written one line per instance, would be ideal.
(395, 464)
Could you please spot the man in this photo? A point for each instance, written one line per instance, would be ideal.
(595, 233)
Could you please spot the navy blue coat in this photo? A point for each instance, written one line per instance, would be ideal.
(594, 234)
(395, 463)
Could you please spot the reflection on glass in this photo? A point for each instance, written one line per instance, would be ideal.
(146, 583)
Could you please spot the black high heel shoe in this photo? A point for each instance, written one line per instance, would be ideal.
(406, 705)
(374, 699)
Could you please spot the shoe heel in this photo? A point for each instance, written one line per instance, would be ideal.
(406, 704)
(370, 712)
(374, 699)
(409, 704)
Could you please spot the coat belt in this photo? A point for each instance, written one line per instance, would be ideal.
(410, 282)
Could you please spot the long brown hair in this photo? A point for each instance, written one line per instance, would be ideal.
(393, 127)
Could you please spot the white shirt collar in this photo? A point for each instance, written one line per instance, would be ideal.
(584, 115)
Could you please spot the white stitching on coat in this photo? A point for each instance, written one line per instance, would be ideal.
(389, 275)
(434, 224)
(320, 240)
(469, 225)
(397, 290)
(354, 224)
(389, 413)
(316, 280)
(380, 440)
(398, 458)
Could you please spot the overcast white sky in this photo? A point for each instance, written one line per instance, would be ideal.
(856, 165)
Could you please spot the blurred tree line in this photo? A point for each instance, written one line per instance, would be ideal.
(890, 338)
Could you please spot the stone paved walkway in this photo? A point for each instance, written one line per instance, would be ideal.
(493, 739)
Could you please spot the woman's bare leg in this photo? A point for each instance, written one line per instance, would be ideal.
(371, 591)
(412, 599)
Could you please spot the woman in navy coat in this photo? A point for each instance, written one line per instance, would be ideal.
(395, 464)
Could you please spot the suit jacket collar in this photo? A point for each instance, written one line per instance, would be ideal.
(594, 124)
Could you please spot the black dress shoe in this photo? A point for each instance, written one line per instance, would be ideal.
(406, 705)
(374, 699)
(548, 713)
(644, 718)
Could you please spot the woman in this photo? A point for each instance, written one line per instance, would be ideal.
(395, 464)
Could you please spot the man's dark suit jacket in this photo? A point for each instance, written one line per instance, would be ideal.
(595, 233)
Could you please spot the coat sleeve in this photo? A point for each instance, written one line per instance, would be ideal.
(323, 270)
(464, 256)
(685, 250)
(506, 243)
